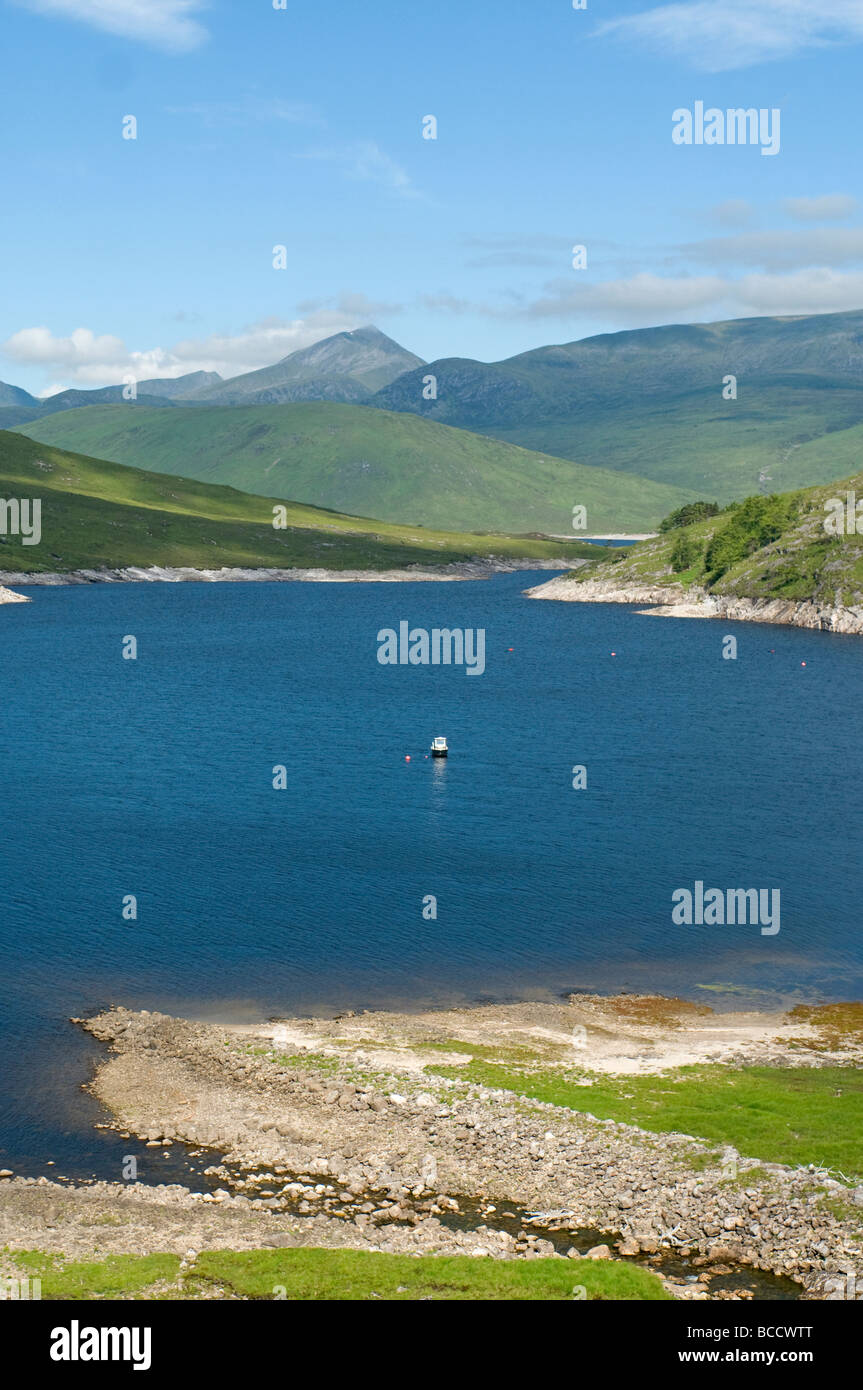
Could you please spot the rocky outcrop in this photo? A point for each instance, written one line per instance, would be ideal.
(7, 596)
(675, 602)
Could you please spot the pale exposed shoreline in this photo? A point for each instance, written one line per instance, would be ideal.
(167, 574)
(7, 596)
(366, 1131)
(673, 601)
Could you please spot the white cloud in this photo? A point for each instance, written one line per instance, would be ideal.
(778, 250)
(85, 359)
(830, 207)
(168, 24)
(739, 33)
(647, 298)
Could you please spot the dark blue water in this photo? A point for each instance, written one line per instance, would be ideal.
(154, 777)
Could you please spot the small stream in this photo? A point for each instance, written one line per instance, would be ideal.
(480, 1217)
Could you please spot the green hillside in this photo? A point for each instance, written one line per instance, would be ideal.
(764, 547)
(366, 462)
(650, 401)
(104, 515)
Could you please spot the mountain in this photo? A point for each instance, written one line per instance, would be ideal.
(15, 396)
(787, 557)
(366, 462)
(650, 401)
(348, 367)
(97, 514)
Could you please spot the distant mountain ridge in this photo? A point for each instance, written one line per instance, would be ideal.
(650, 401)
(717, 410)
(348, 367)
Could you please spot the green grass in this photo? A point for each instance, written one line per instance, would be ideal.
(97, 514)
(366, 462)
(338, 1276)
(778, 1115)
(118, 1276)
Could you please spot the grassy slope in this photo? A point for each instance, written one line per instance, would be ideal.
(364, 461)
(798, 436)
(98, 514)
(650, 401)
(804, 562)
(339, 1275)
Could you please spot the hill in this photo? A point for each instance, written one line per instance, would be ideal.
(97, 515)
(650, 401)
(779, 558)
(366, 462)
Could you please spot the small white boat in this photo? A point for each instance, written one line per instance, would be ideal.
(439, 748)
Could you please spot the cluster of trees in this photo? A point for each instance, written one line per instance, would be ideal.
(751, 524)
(745, 527)
(685, 516)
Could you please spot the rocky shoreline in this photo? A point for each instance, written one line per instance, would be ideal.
(673, 601)
(332, 1132)
(166, 574)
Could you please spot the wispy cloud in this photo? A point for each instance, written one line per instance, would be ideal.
(537, 250)
(739, 33)
(776, 250)
(249, 111)
(167, 24)
(648, 298)
(831, 207)
(366, 161)
(734, 212)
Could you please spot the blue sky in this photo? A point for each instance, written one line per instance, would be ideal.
(303, 127)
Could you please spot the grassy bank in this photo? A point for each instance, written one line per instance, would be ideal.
(338, 1276)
